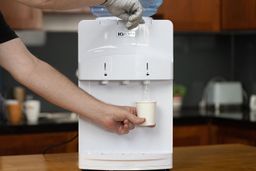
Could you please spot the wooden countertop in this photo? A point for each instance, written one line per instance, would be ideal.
(202, 158)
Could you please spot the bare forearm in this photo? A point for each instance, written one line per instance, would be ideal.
(57, 89)
(61, 4)
(46, 81)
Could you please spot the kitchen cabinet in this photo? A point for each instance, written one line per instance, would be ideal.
(192, 15)
(209, 15)
(227, 134)
(190, 135)
(19, 16)
(187, 131)
(194, 135)
(214, 131)
(238, 14)
(36, 143)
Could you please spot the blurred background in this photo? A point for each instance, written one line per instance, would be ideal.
(215, 73)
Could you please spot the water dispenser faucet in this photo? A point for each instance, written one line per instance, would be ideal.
(146, 82)
(104, 82)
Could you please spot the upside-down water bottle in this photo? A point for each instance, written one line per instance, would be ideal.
(150, 8)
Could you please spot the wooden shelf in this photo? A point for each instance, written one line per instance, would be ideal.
(210, 15)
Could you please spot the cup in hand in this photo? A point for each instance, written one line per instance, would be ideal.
(32, 110)
(14, 111)
(147, 110)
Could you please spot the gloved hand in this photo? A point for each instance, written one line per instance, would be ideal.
(128, 10)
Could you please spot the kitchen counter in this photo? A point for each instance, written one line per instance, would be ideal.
(46, 124)
(245, 119)
(185, 117)
(191, 128)
(204, 128)
(210, 158)
(51, 130)
(215, 158)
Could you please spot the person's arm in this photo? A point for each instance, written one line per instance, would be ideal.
(129, 11)
(57, 89)
(61, 4)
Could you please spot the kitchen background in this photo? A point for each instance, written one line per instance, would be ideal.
(213, 39)
(198, 59)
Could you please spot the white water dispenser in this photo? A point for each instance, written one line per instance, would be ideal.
(118, 66)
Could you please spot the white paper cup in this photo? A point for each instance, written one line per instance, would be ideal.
(147, 110)
(32, 110)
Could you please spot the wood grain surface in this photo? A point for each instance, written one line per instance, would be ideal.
(193, 15)
(20, 144)
(203, 158)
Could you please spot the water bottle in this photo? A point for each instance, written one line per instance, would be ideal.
(150, 8)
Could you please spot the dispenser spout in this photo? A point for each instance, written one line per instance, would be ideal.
(146, 82)
(125, 82)
(104, 82)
